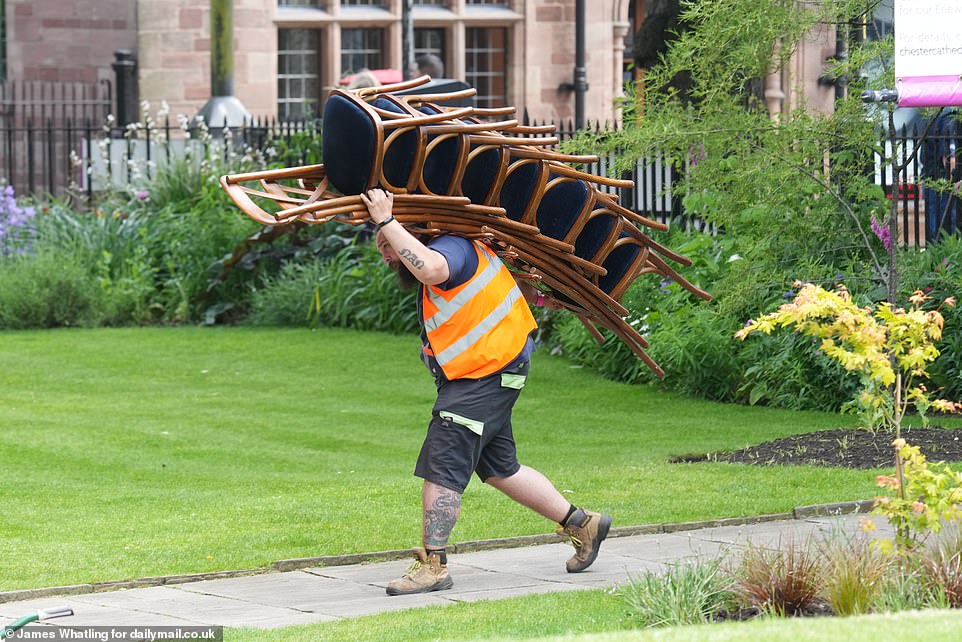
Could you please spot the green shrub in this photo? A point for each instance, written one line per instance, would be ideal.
(788, 371)
(690, 593)
(48, 290)
(183, 244)
(936, 271)
(353, 288)
(946, 371)
(297, 148)
(611, 359)
(658, 309)
(286, 299)
(696, 354)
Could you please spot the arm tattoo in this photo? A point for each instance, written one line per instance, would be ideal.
(439, 519)
(411, 258)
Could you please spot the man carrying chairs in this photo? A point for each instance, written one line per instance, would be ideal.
(452, 192)
(476, 342)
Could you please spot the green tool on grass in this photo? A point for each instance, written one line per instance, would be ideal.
(43, 614)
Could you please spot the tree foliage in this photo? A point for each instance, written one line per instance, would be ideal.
(792, 190)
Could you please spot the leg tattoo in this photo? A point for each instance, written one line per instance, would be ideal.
(440, 516)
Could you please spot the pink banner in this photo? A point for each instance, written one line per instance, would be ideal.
(930, 91)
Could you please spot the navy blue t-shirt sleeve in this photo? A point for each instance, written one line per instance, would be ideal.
(461, 257)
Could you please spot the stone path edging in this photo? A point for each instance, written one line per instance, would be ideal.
(800, 512)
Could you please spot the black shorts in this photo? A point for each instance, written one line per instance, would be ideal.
(470, 429)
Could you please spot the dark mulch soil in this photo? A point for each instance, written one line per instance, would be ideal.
(843, 447)
(813, 609)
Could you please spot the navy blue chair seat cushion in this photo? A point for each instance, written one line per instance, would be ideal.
(518, 188)
(595, 234)
(561, 207)
(349, 145)
(399, 158)
(481, 173)
(618, 263)
(440, 165)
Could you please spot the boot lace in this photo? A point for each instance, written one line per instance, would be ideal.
(413, 568)
(575, 541)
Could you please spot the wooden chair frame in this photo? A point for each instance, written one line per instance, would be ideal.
(305, 195)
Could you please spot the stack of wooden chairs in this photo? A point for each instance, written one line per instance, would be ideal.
(480, 174)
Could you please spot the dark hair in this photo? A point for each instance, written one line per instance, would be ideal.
(430, 64)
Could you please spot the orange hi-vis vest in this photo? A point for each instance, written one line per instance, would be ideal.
(477, 328)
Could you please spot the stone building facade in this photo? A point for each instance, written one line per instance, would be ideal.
(288, 53)
(67, 41)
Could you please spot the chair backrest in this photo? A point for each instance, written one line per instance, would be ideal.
(401, 152)
(520, 186)
(623, 262)
(563, 208)
(599, 233)
(444, 162)
(352, 144)
(482, 176)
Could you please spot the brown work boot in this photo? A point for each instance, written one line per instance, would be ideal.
(587, 530)
(426, 574)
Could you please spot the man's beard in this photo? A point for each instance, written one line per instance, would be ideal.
(405, 278)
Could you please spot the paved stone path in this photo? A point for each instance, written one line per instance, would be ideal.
(321, 594)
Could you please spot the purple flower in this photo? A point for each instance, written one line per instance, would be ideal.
(882, 232)
(696, 154)
(788, 295)
(143, 195)
(663, 286)
(14, 223)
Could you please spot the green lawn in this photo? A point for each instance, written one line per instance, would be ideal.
(139, 452)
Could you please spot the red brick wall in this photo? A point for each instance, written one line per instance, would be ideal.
(70, 40)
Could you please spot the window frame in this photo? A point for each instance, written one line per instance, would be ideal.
(284, 113)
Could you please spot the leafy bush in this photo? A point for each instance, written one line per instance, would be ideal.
(695, 357)
(297, 148)
(659, 310)
(353, 288)
(182, 245)
(788, 371)
(111, 248)
(936, 271)
(691, 593)
(48, 290)
(152, 264)
(286, 299)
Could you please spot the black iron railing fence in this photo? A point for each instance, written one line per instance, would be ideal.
(54, 158)
(54, 142)
(40, 123)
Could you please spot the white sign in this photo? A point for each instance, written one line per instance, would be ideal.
(928, 38)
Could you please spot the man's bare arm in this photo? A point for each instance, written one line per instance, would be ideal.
(427, 266)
